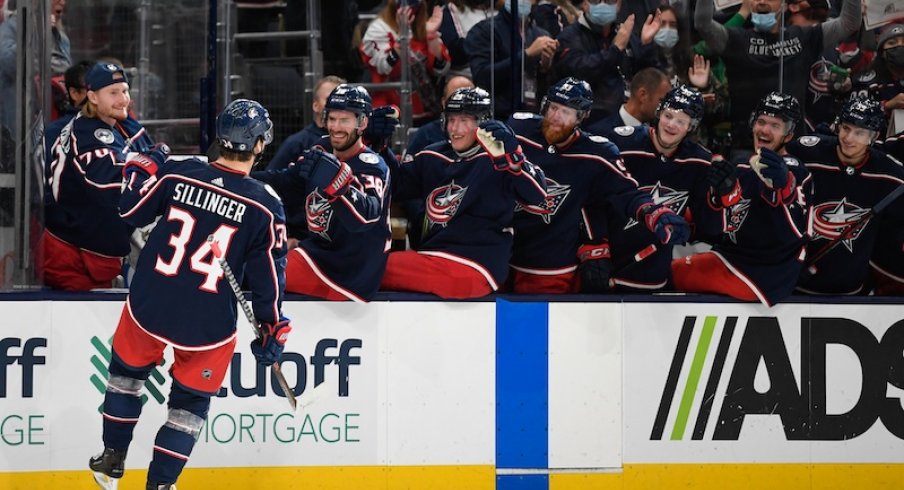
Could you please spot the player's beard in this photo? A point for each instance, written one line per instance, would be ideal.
(353, 138)
(555, 135)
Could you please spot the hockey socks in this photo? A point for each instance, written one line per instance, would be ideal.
(172, 448)
(122, 407)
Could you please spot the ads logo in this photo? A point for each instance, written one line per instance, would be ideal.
(13, 351)
(101, 359)
(720, 386)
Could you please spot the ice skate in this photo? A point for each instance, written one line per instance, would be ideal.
(108, 468)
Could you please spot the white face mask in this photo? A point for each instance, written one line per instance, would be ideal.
(666, 37)
(523, 7)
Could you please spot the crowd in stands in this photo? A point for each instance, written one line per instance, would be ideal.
(567, 146)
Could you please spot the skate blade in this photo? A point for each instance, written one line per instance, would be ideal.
(105, 481)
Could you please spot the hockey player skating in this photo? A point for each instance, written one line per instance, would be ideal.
(674, 170)
(565, 238)
(177, 271)
(345, 190)
(470, 192)
(849, 179)
(765, 227)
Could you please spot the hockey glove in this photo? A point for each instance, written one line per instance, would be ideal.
(670, 228)
(382, 124)
(722, 178)
(269, 347)
(148, 162)
(500, 143)
(771, 168)
(324, 171)
(595, 268)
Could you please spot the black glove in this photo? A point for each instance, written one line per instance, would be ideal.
(771, 169)
(269, 347)
(595, 267)
(148, 162)
(670, 228)
(501, 144)
(721, 177)
(382, 124)
(324, 171)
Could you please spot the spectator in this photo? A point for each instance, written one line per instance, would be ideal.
(765, 232)
(459, 16)
(849, 179)
(346, 201)
(294, 145)
(76, 95)
(606, 54)
(470, 197)
(428, 58)
(673, 169)
(755, 56)
(60, 58)
(554, 15)
(85, 240)
(648, 87)
(888, 85)
(177, 271)
(492, 56)
(564, 239)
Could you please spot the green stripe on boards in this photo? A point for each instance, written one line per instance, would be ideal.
(693, 378)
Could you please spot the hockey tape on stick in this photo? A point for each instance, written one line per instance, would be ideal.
(853, 227)
(249, 314)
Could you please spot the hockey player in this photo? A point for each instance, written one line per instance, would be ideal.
(849, 178)
(177, 272)
(345, 190)
(671, 168)
(85, 240)
(470, 195)
(765, 228)
(584, 177)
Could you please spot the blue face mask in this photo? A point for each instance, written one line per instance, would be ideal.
(602, 14)
(666, 37)
(523, 7)
(763, 22)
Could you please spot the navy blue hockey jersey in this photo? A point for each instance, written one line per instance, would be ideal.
(84, 179)
(469, 206)
(677, 181)
(582, 178)
(179, 292)
(348, 238)
(842, 196)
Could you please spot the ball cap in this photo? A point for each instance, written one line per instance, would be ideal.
(102, 74)
(890, 32)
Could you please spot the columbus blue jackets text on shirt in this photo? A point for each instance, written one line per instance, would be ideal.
(179, 292)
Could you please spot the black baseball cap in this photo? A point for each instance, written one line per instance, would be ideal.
(102, 74)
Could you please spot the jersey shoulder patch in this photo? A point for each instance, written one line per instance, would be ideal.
(523, 115)
(809, 140)
(272, 192)
(105, 136)
(598, 139)
(624, 130)
(370, 158)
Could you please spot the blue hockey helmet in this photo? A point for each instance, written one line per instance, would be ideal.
(241, 124)
(351, 98)
(863, 112)
(776, 104)
(685, 99)
(570, 92)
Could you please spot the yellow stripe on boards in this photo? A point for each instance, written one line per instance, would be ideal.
(737, 477)
(304, 478)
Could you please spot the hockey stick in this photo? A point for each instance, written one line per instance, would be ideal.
(249, 314)
(852, 228)
(640, 256)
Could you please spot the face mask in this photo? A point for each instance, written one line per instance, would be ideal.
(602, 14)
(666, 37)
(523, 7)
(895, 56)
(763, 22)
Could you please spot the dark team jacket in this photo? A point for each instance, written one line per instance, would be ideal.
(469, 205)
(842, 196)
(84, 178)
(677, 181)
(294, 145)
(581, 179)
(765, 237)
(179, 292)
(348, 237)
